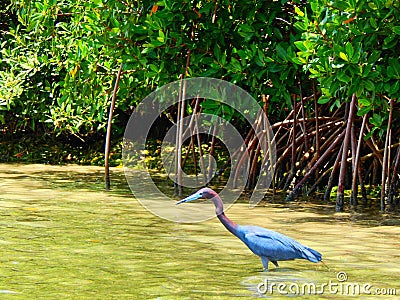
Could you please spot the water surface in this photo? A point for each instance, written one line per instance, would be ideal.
(63, 237)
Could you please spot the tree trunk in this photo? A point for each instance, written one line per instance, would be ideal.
(356, 164)
(329, 186)
(394, 180)
(179, 136)
(386, 160)
(343, 164)
(317, 150)
(108, 134)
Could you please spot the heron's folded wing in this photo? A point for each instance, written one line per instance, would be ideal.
(273, 245)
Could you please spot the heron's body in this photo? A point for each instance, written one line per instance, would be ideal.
(273, 246)
(267, 244)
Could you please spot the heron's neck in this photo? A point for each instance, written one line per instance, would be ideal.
(219, 210)
(230, 225)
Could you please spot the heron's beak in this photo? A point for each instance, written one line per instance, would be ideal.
(193, 197)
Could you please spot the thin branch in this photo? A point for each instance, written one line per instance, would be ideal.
(108, 135)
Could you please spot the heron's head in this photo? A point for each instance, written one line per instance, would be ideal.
(204, 193)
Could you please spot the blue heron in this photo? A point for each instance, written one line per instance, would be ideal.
(267, 244)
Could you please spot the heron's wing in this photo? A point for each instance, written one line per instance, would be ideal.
(275, 246)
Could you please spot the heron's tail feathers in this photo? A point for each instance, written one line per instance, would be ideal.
(312, 255)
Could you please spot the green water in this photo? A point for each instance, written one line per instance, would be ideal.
(63, 237)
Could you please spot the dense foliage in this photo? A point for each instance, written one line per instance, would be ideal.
(59, 60)
(352, 47)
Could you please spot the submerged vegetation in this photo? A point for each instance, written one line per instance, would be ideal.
(327, 73)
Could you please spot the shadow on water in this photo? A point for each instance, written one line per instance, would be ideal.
(63, 237)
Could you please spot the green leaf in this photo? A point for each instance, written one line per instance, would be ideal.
(97, 2)
(161, 36)
(258, 61)
(301, 26)
(342, 5)
(154, 44)
(391, 72)
(274, 67)
(363, 110)
(210, 104)
(369, 134)
(39, 6)
(217, 52)
(364, 101)
(343, 77)
(349, 50)
(334, 87)
(298, 61)
(390, 42)
(369, 85)
(373, 23)
(343, 56)
(394, 63)
(366, 70)
(396, 29)
(323, 100)
(154, 68)
(210, 72)
(236, 64)
(300, 45)
(281, 52)
(356, 57)
(374, 56)
(298, 11)
(372, 5)
(394, 89)
(376, 120)
(246, 31)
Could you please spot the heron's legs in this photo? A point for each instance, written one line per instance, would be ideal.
(264, 261)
